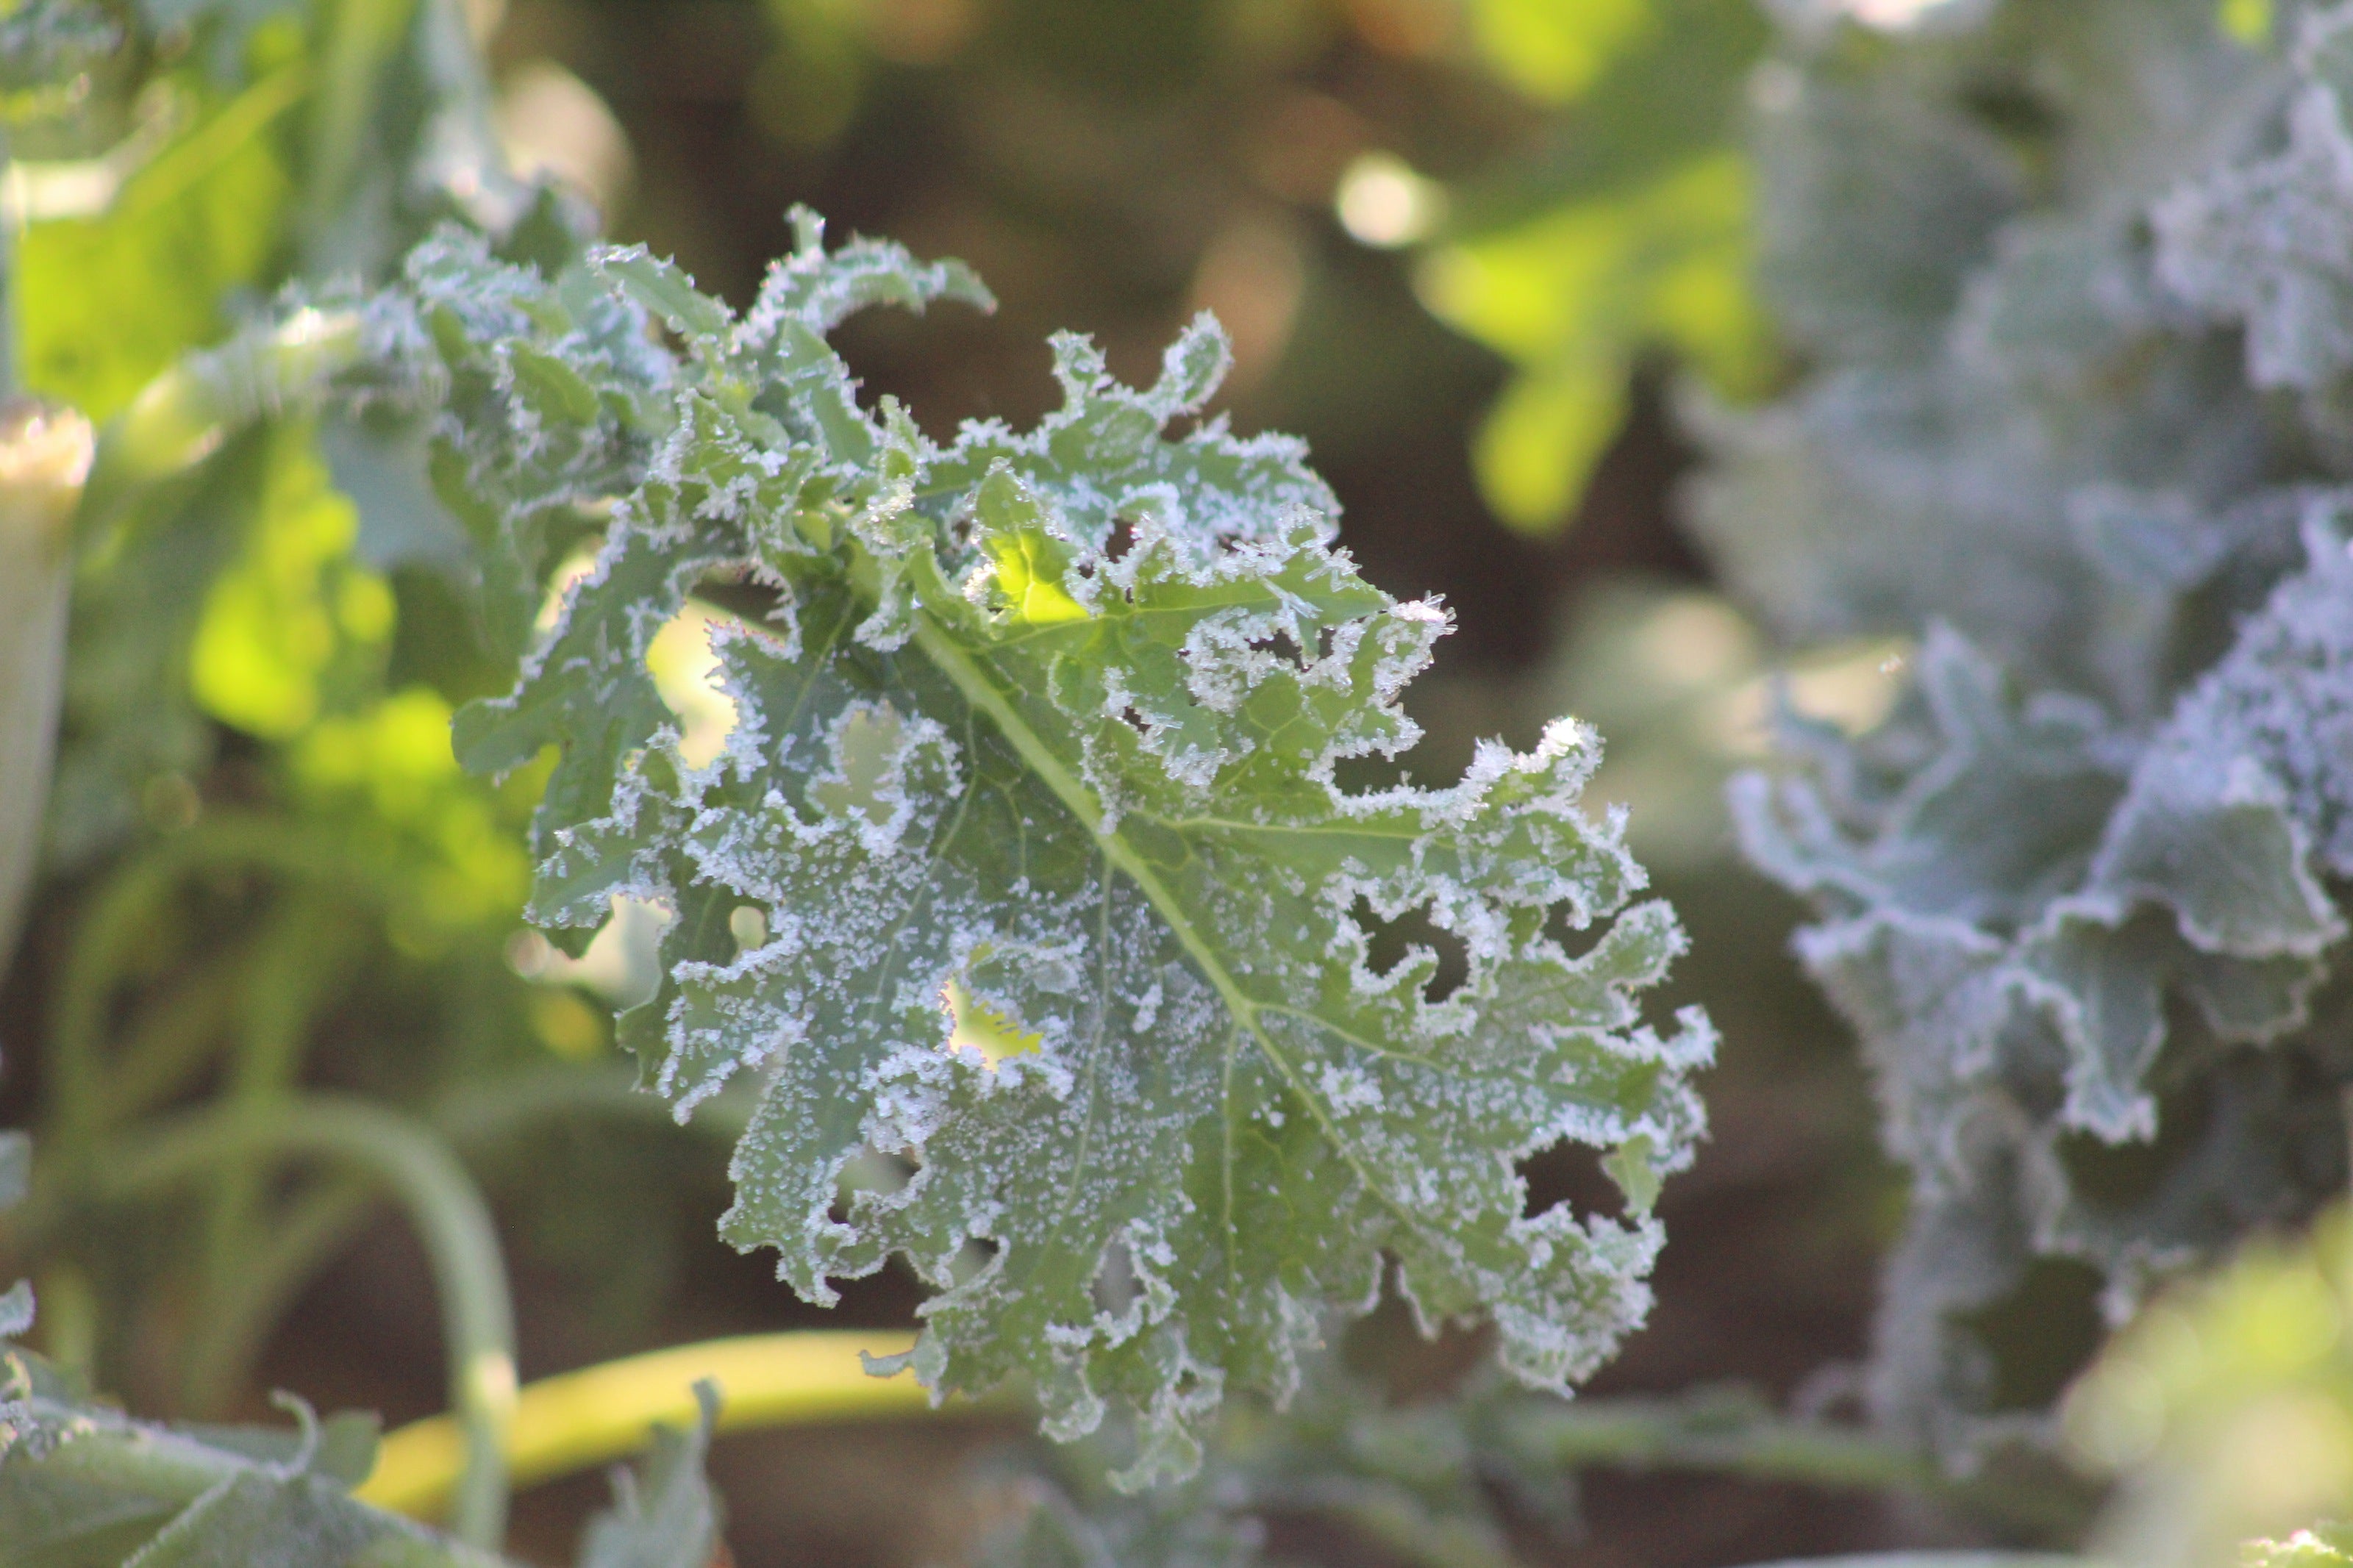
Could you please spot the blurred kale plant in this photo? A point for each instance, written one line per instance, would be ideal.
(2074, 425)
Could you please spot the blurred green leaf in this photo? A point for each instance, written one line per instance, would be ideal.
(107, 303)
(2227, 1407)
(1553, 51)
(295, 621)
(1574, 297)
(2322, 1546)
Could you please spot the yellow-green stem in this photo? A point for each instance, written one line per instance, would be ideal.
(296, 966)
(579, 1420)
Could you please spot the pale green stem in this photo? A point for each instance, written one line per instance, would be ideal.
(88, 1090)
(480, 1114)
(293, 968)
(44, 456)
(362, 36)
(1732, 1432)
(238, 1323)
(69, 1321)
(237, 1320)
(1943, 1560)
(1721, 1433)
(167, 1041)
(451, 1220)
(184, 415)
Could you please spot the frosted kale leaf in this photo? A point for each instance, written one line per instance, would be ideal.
(2269, 241)
(1875, 500)
(1875, 205)
(1025, 878)
(2086, 886)
(2282, 702)
(80, 1482)
(44, 42)
(2006, 925)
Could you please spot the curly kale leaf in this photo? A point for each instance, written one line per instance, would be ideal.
(80, 1482)
(2086, 886)
(1025, 870)
(2263, 239)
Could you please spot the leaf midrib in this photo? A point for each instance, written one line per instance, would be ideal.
(977, 688)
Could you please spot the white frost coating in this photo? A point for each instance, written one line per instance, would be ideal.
(2271, 244)
(1347, 1089)
(1051, 724)
(2101, 847)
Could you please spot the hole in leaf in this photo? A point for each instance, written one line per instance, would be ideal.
(865, 746)
(1572, 1173)
(2127, 1175)
(745, 597)
(1280, 644)
(1114, 1286)
(622, 961)
(869, 1170)
(1119, 541)
(1391, 943)
(1136, 720)
(1368, 773)
(685, 668)
(1575, 940)
(748, 924)
(972, 1258)
(991, 1031)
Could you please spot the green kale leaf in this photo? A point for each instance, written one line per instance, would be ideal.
(1026, 873)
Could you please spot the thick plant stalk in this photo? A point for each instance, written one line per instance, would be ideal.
(44, 456)
(578, 1420)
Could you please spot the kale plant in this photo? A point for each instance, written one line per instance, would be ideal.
(1026, 870)
(2073, 285)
